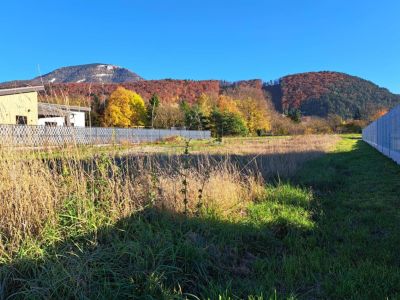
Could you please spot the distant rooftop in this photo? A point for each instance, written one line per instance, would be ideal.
(54, 109)
(21, 90)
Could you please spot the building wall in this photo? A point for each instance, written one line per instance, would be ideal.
(77, 119)
(25, 104)
(57, 120)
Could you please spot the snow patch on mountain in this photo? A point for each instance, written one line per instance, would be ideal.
(103, 73)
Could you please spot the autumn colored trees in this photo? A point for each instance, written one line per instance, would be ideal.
(222, 114)
(325, 93)
(234, 111)
(225, 115)
(237, 109)
(169, 115)
(316, 94)
(124, 109)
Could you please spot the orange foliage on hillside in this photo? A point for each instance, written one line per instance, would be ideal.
(300, 87)
(167, 90)
(324, 93)
(379, 113)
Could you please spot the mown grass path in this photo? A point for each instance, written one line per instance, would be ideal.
(354, 251)
(332, 232)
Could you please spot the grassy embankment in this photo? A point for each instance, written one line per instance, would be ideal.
(331, 231)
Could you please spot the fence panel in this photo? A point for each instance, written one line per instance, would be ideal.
(384, 134)
(36, 136)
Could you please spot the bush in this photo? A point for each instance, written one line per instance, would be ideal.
(226, 123)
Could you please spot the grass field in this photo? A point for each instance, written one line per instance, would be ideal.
(328, 230)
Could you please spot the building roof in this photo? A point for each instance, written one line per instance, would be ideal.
(47, 109)
(21, 90)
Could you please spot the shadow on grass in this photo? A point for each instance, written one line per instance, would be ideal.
(156, 255)
(357, 195)
(348, 250)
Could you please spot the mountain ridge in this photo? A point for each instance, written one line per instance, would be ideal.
(91, 73)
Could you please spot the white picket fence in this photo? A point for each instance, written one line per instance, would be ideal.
(22, 135)
(384, 134)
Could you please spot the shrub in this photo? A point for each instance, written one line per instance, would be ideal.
(227, 123)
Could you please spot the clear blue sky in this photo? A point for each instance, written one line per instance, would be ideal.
(204, 39)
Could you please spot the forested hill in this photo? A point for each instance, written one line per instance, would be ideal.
(313, 93)
(323, 93)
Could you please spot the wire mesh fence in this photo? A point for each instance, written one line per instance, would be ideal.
(384, 134)
(36, 136)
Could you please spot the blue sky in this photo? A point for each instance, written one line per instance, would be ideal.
(188, 39)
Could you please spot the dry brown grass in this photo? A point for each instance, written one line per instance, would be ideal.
(34, 193)
(290, 144)
(240, 146)
(28, 195)
(281, 156)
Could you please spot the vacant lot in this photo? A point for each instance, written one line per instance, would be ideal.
(202, 224)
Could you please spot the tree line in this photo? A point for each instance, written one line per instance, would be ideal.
(236, 111)
(222, 114)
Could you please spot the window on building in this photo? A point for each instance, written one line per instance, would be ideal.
(50, 124)
(21, 120)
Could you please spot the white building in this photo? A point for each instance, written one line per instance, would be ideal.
(62, 115)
